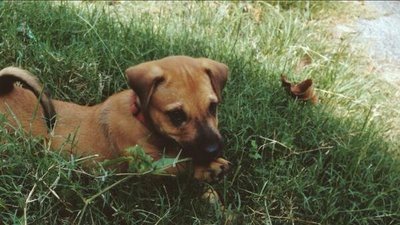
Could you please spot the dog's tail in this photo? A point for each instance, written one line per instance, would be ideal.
(10, 75)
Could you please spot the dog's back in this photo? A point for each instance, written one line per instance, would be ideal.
(20, 105)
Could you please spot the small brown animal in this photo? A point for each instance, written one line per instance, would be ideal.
(172, 106)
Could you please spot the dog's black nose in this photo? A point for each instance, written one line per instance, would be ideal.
(212, 149)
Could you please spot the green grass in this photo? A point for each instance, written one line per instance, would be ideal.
(294, 162)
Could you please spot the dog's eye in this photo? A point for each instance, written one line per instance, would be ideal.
(213, 108)
(177, 117)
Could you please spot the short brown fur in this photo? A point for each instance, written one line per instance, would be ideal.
(107, 129)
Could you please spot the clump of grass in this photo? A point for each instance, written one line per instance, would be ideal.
(294, 162)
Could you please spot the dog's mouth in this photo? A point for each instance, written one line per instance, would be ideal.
(205, 148)
(200, 153)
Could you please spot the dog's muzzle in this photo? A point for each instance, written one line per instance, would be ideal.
(206, 147)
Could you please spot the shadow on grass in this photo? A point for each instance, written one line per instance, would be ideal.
(294, 162)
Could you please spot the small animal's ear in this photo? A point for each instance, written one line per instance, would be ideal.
(144, 79)
(218, 73)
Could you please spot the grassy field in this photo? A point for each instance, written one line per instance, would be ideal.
(294, 162)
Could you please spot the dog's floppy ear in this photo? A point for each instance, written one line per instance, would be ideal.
(143, 79)
(218, 73)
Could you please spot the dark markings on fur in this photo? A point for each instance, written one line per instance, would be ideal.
(103, 121)
(7, 81)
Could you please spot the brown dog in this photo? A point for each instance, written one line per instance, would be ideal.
(173, 106)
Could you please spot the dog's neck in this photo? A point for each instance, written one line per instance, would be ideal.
(136, 110)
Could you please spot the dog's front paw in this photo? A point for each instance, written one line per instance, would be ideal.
(213, 172)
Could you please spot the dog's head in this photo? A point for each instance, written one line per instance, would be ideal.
(179, 95)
